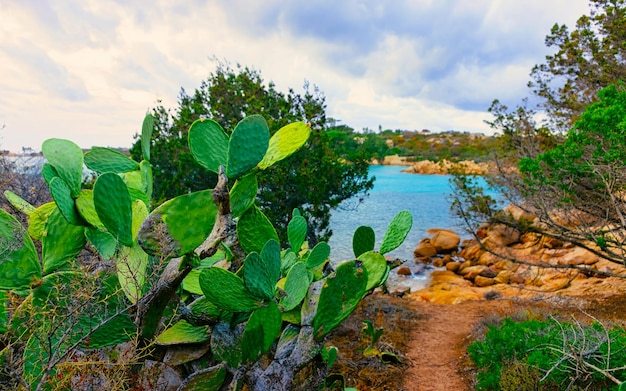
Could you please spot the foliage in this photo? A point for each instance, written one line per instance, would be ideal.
(176, 280)
(314, 179)
(549, 354)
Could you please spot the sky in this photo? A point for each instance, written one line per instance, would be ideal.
(89, 70)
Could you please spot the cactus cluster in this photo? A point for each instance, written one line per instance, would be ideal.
(281, 296)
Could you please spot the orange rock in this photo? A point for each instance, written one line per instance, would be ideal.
(425, 249)
(453, 266)
(404, 271)
(484, 281)
(445, 241)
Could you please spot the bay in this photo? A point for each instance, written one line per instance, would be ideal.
(427, 197)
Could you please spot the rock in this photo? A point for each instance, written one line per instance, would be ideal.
(503, 277)
(159, 376)
(447, 259)
(438, 262)
(444, 241)
(425, 249)
(500, 235)
(472, 271)
(483, 281)
(488, 272)
(453, 266)
(404, 271)
(518, 213)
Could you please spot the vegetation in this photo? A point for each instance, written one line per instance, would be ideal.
(181, 285)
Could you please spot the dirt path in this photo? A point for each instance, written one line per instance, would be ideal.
(437, 348)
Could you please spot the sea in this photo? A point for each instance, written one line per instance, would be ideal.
(427, 197)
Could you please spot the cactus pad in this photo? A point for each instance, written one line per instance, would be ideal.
(318, 255)
(19, 203)
(376, 267)
(102, 241)
(103, 160)
(61, 243)
(397, 231)
(37, 220)
(67, 160)
(296, 286)
(254, 230)
(208, 144)
(147, 128)
(87, 209)
(210, 379)
(363, 240)
(296, 232)
(19, 263)
(113, 205)
(61, 194)
(340, 295)
(182, 332)
(131, 264)
(260, 272)
(247, 145)
(243, 194)
(285, 142)
(262, 329)
(226, 290)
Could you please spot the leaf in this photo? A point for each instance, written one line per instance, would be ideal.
(208, 144)
(37, 220)
(210, 379)
(87, 209)
(319, 254)
(61, 194)
(19, 203)
(285, 142)
(103, 160)
(102, 241)
(254, 230)
(261, 273)
(247, 145)
(61, 243)
(296, 232)
(182, 333)
(113, 205)
(67, 160)
(131, 264)
(363, 240)
(191, 283)
(226, 290)
(147, 127)
(243, 194)
(296, 286)
(180, 225)
(262, 329)
(397, 231)
(147, 181)
(340, 295)
(376, 267)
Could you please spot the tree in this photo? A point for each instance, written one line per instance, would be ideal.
(314, 179)
(572, 182)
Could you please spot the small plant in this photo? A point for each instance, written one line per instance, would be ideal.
(203, 272)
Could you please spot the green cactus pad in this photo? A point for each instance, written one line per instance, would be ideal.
(19, 203)
(136, 187)
(61, 243)
(147, 127)
(61, 194)
(146, 176)
(113, 205)
(243, 194)
(102, 241)
(226, 343)
(340, 295)
(204, 308)
(296, 232)
(131, 264)
(289, 334)
(182, 333)
(19, 263)
(67, 159)
(260, 272)
(285, 142)
(376, 267)
(191, 283)
(254, 230)
(210, 379)
(247, 145)
(319, 254)
(363, 240)
(4, 315)
(35, 357)
(397, 231)
(208, 144)
(296, 286)
(139, 213)
(186, 220)
(37, 220)
(48, 172)
(87, 209)
(226, 290)
(261, 331)
(288, 259)
(103, 160)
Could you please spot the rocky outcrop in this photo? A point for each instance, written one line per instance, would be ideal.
(443, 167)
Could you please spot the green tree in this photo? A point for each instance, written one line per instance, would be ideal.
(314, 179)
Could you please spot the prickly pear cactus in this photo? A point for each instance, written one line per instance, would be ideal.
(397, 231)
(208, 144)
(247, 145)
(285, 142)
(103, 160)
(114, 206)
(364, 240)
(19, 263)
(66, 158)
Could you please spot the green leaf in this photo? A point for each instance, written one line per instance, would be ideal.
(131, 264)
(61, 243)
(296, 232)
(208, 144)
(113, 205)
(319, 254)
(35, 358)
(363, 240)
(102, 241)
(180, 225)
(147, 127)
(67, 159)
(285, 142)
(48, 172)
(296, 286)
(254, 230)
(340, 295)
(261, 272)
(247, 145)
(226, 290)
(243, 194)
(146, 175)
(61, 194)
(329, 355)
(262, 329)
(191, 283)
(19, 203)
(103, 160)
(87, 209)
(376, 267)
(182, 332)
(210, 379)
(37, 220)
(397, 231)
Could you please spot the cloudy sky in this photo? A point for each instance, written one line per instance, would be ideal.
(88, 70)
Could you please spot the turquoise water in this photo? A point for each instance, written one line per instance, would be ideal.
(425, 196)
